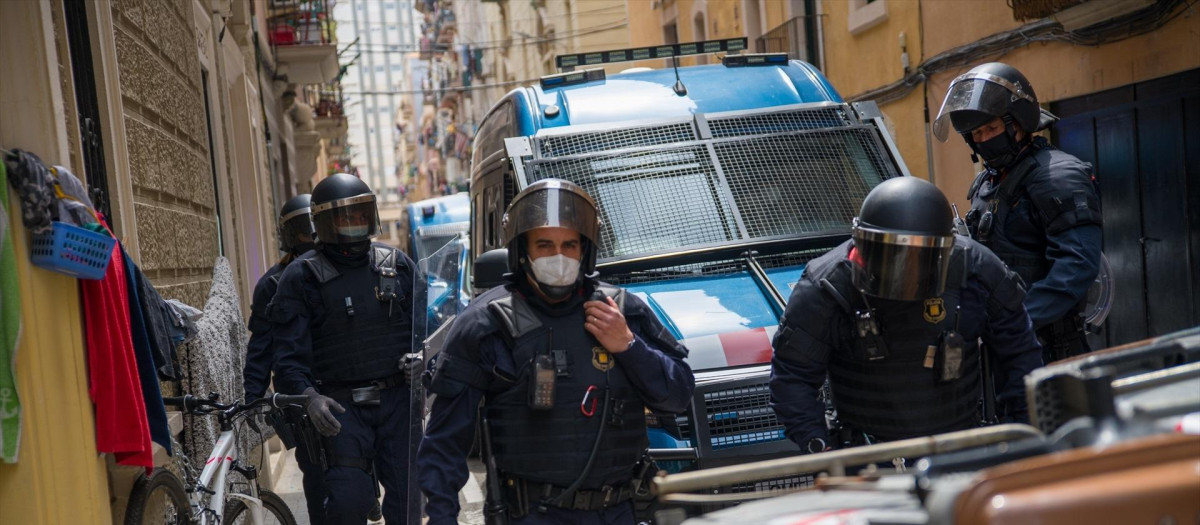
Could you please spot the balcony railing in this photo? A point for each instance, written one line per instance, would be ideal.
(301, 22)
(796, 37)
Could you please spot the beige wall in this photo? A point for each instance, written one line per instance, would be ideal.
(1057, 70)
(855, 63)
(167, 141)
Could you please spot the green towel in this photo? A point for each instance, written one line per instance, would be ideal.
(10, 333)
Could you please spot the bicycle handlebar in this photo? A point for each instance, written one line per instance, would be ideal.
(198, 405)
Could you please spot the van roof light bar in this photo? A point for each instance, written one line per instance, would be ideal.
(574, 77)
(571, 61)
(756, 59)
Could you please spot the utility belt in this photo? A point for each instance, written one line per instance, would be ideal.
(361, 392)
(522, 495)
(1063, 338)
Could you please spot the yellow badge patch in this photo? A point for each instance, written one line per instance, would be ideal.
(601, 359)
(935, 310)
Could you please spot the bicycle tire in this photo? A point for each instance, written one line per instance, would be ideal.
(146, 492)
(272, 504)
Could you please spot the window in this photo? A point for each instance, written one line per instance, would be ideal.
(392, 5)
(396, 67)
(865, 14)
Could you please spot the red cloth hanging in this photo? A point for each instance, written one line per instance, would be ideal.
(121, 425)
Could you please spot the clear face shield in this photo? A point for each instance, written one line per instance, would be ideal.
(346, 221)
(558, 207)
(980, 94)
(900, 266)
(295, 229)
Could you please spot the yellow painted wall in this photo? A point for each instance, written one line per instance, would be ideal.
(1057, 70)
(855, 63)
(58, 477)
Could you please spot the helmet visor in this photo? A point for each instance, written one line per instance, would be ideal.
(346, 221)
(901, 266)
(979, 94)
(295, 228)
(556, 208)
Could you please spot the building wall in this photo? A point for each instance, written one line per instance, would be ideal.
(857, 62)
(1057, 71)
(166, 136)
(58, 477)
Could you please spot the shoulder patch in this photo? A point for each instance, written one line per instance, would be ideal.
(321, 268)
(383, 257)
(516, 315)
(617, 294)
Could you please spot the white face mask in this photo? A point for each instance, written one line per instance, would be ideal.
(556, 270)
(354, 231)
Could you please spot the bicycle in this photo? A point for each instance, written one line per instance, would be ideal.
(162, 498)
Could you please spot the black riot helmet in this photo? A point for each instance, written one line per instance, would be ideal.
(343, 211)
(985, 93)
(295, 226)
(551, 203)
(904, 233)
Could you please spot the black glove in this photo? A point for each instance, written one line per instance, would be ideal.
(320, 411)
(413, 365)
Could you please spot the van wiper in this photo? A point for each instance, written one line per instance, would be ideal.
(759, 275)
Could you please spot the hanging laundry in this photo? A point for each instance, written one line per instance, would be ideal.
(74, 206)
(35, 185)
(156, 412)
(114, 385)
(158, 325)
(10, 331)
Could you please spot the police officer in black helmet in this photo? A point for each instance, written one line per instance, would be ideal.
(565, 375)
(893, 315)
(296, 237)
(341, 322)
(1036, 207)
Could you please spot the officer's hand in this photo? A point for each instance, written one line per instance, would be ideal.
(413, 366)
(605, 322)
(320, 411)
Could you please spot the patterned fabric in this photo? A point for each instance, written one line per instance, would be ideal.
(35, 185)
(10, 334)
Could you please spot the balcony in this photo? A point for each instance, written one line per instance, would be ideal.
(302, 34)
(796, 37)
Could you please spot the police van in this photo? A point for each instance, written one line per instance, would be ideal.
(716, 184)
(435, 237)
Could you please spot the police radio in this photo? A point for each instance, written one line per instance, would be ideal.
(541, 379)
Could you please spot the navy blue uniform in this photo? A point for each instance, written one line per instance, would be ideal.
(256, 376)
(311, 325)
(478, 359)
(898, 395)
(1046, 226)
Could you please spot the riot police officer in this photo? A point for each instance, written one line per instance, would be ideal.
(341, 322)
(1036, 207)
(894, 316)
(295, 232)
(566, 367)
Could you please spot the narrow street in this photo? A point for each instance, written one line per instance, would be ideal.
(290, 488)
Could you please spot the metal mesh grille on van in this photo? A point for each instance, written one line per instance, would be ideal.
(741, 416)
(777, 181)
(775, 122)
(563, 145)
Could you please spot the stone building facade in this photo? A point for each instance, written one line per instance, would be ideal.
(174, 113)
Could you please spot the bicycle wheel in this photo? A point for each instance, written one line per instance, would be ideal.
(157, 500)
(275, 511)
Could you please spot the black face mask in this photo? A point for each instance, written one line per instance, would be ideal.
(351, 254)
(998, 152)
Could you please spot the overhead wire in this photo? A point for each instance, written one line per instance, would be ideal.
(1044, 30)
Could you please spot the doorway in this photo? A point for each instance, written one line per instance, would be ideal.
(1144, 142)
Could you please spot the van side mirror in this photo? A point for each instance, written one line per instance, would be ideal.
(490, 269)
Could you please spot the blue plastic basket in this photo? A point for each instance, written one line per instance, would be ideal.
(72, 250)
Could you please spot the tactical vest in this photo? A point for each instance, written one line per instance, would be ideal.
(887, 389)
(552, 446)
(367, 327)
(1000, 199)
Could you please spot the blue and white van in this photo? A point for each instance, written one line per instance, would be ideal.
(716, 185)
